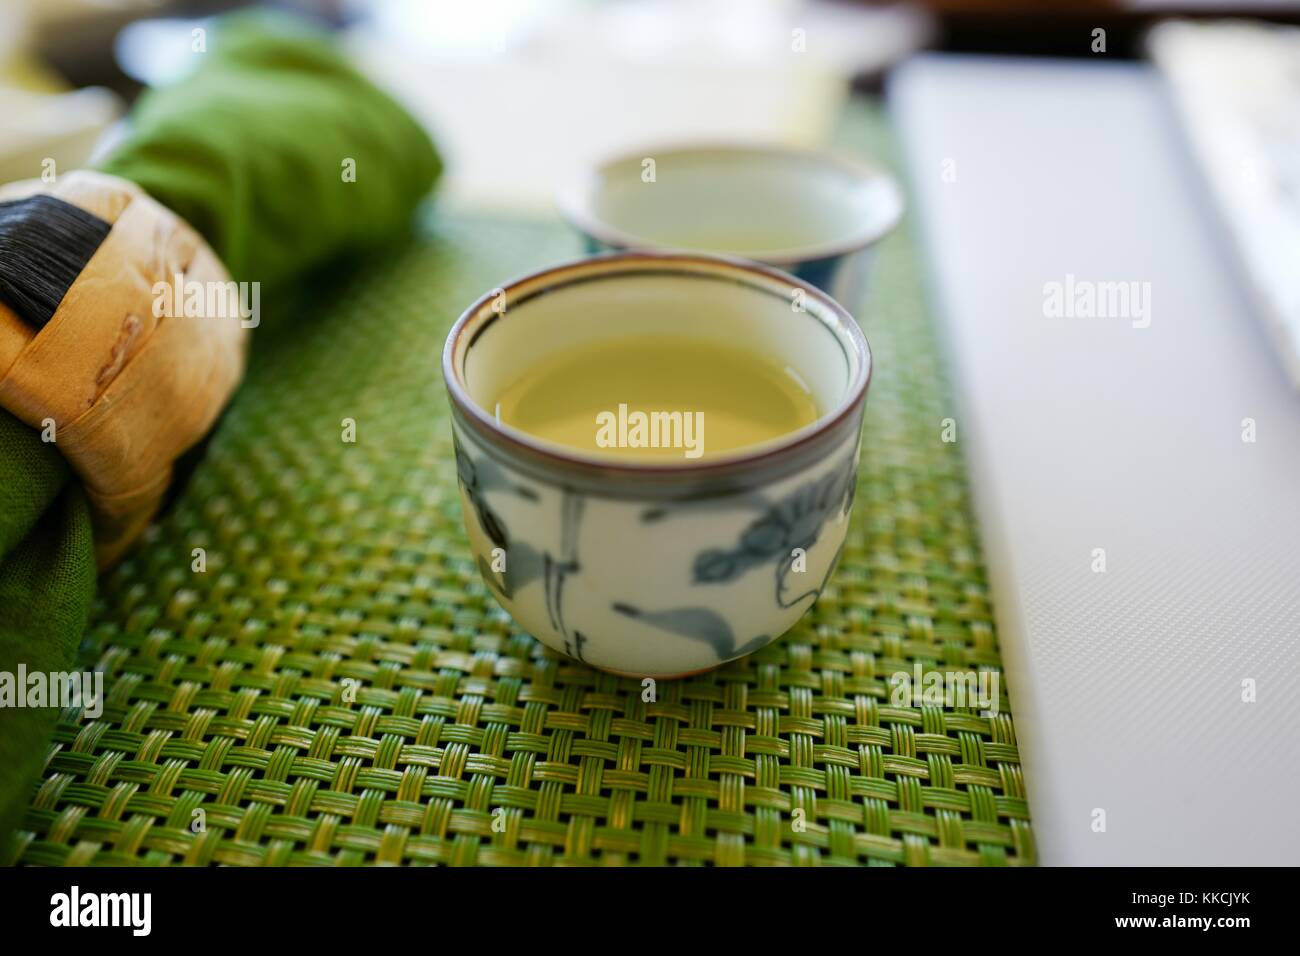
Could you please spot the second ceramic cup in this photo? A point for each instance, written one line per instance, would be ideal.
(816, 215)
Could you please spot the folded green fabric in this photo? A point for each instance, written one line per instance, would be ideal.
(277, 151)
(47, 580)
(284, 158)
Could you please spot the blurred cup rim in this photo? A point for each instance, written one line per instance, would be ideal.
(577, 199)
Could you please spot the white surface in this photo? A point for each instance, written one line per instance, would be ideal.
(521, 97)
(512, 132)
(1088, 433)
(1237, 90)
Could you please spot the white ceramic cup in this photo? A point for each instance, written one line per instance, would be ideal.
(656, 569)
(816, 215)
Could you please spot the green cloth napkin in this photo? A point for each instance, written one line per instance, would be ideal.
(277, 151)
(284, 158)
(47, 580)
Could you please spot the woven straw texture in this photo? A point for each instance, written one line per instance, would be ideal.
(338, 686)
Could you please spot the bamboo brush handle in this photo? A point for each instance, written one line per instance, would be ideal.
(128, 390)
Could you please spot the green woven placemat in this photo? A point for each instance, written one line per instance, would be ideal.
(338, 686)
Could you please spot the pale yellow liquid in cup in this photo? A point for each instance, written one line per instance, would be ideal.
(657, 398)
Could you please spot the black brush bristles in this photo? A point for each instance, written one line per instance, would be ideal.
(44, 245)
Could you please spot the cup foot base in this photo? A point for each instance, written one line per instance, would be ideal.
(679, 676)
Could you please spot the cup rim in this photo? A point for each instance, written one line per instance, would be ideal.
(818, 305)
(574, 200)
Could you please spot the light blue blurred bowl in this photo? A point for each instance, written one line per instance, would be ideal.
(818, 216)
